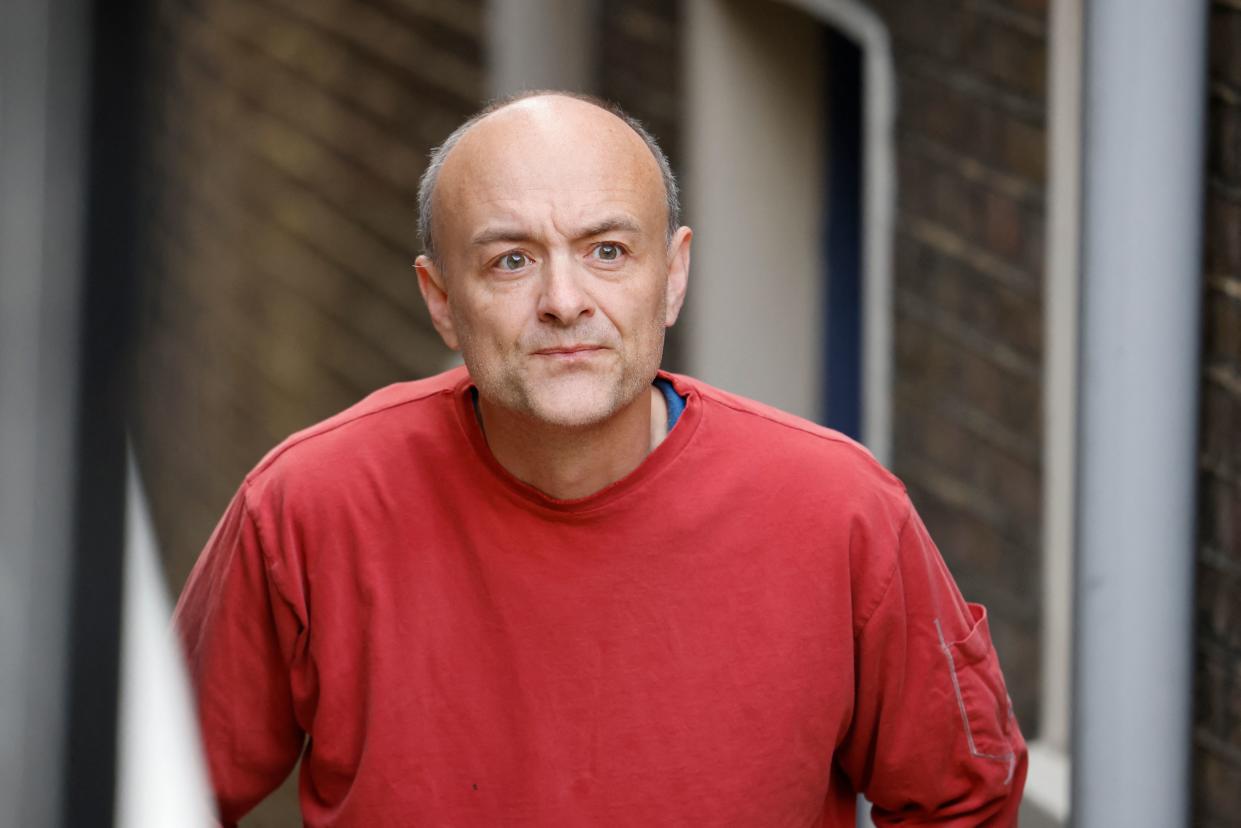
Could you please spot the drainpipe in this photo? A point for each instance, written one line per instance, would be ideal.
(1145, 94)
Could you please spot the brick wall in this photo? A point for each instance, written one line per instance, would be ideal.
(1217, 719)
(286, 142)
(971, 150)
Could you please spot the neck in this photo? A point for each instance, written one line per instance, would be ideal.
(571, 463)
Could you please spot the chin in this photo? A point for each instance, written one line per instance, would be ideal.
(583, 399)
(576, 404)
(576, 399)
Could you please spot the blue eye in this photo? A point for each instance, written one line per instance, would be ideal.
(513, 261)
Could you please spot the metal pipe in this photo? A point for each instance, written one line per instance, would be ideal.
(44, 104)
(1145, 74)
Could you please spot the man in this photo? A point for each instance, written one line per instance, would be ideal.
(558, 587)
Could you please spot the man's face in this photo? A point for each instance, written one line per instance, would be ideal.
(555, 276)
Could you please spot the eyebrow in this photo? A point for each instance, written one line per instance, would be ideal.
(611, 224)
(495, 234)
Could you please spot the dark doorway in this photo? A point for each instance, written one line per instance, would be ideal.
(842, 313)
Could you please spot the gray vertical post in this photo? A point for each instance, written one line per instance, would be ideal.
(44, 50)
(1145, 94)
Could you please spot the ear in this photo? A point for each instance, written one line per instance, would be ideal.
(678, 273)
(431, 283)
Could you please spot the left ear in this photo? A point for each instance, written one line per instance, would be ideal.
(431, 283)
(678, 274)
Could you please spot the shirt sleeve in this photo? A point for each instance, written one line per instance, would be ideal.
(933, 739)
(240, 636)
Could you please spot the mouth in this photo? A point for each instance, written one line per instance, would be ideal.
(570, 353)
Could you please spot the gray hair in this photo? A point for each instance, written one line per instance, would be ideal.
(426, 186)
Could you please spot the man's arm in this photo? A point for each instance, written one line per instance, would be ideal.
(240, 636)
(933, 740)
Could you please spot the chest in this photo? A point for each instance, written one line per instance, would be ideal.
(562, 672)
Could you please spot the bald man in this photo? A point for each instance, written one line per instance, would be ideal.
(561, 587)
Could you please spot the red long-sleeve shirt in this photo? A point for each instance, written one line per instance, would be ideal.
(745, 631)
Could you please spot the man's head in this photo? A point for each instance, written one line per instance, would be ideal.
(553, 258)
(426, 186)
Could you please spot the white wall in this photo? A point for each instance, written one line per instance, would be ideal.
(754, 189)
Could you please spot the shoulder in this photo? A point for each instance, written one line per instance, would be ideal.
(771, 436)
(817, 478)
(364, 430)
(823, 484)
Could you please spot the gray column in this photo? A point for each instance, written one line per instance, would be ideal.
(43, 54)
(1145, 71)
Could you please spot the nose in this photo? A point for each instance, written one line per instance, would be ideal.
(562, 299)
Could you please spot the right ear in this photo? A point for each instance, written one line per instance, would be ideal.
(431, 283)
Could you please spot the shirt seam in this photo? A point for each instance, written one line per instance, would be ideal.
(829, 438)
(269, 564)
(296, 440)
(891, 576)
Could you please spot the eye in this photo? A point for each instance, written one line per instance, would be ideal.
(608, 251)
(513, 261)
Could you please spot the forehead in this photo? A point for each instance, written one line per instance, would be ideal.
(547, 158)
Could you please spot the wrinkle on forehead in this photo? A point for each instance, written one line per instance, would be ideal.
(544, 223)
(548, 152)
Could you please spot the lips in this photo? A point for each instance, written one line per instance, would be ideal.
(569, 350)
(571, 357)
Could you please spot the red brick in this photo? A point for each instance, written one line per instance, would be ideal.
(936, 110)
(939, 28)
(1223, 327)
(975, 299)
(1033, 242)
(944, 441)
(1023, 149)
(1221, 427)
(1223, 243)
(1034, 8)
(1225, 34)
(1004, 225)
(1014, 59)
(1217, 788)
(943, 369)
(1219, 517)
(1224, 132)
(1219, 611)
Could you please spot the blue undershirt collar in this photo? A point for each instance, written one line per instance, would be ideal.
(676, 403)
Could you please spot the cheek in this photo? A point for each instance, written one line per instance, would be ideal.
(491, 321)
(643, 309)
